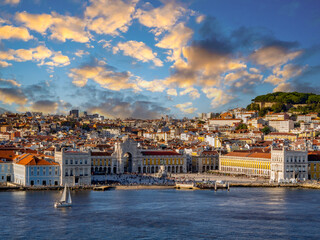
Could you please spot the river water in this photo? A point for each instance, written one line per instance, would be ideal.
(242, 213)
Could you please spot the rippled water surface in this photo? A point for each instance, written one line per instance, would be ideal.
(242, 213)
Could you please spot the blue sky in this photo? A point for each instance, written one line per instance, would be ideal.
(146, 59)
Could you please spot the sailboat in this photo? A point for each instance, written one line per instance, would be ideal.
(65, 200)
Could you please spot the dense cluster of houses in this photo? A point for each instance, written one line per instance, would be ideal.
(37, 149)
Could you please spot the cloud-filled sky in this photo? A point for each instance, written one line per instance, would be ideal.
(146, 59)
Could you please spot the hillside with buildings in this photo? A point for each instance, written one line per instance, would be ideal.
(39, 149)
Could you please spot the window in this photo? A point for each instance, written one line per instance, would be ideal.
(43, 171)
(38, 171)
(66, 161)
(71, 161)
(56, 171)
(85, 162)
(314, 167)
(75, 161)
(71, 172)
(66, 174)
(80, 161)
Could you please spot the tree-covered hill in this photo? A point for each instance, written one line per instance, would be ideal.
(289, 98)
(294, 102)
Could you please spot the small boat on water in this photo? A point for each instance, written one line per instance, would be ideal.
(65, 200)
(185, 186)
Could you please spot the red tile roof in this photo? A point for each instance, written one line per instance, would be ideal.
(249, 154)
(31, 159)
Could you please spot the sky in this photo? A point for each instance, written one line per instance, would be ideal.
(148, 59)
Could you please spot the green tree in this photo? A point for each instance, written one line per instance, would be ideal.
(278, 107)
(266, 130)
(241, 126)
(253, 107)
(264, 111)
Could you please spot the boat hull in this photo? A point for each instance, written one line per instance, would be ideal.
(62, 205)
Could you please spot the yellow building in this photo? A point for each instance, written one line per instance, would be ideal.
(314, 165)
(206, 161)
(247, 163)
(102, 163)
(152, 160)
(277, 135)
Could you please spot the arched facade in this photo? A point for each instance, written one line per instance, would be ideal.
(128, 156)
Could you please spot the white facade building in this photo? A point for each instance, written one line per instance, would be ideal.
(304, 118)
(288, 164)
(75, 166)
(281, 125)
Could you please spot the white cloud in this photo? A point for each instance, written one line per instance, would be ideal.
(200, 18)
(153, 86)
(272, 56)
(105, 44)
(5, 64)
(106, 78)
(40, 54)
(176, 40)
(110, 16)
(9, 32)
(219, 97)
(186, 107)
(10, 82)
(172, 92)
(80, 53)
(12, 95)
(12, 2)
(193, 93)
(61, 27)
(139, 51)
(162, 18)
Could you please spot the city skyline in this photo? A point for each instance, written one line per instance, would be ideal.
(145, 59)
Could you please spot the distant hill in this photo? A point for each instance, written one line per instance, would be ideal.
(288, 97)
(294, 102)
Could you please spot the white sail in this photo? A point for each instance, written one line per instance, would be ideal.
(64, 194)
(69, 200)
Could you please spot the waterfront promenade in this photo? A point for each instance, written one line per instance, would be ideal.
(150, 181)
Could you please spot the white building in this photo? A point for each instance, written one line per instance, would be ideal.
(281, 125)
(29, 170)
(304, 118)
(213, 141)
(246, 115)
(75, 166)
(288, 164)
(223, 122)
